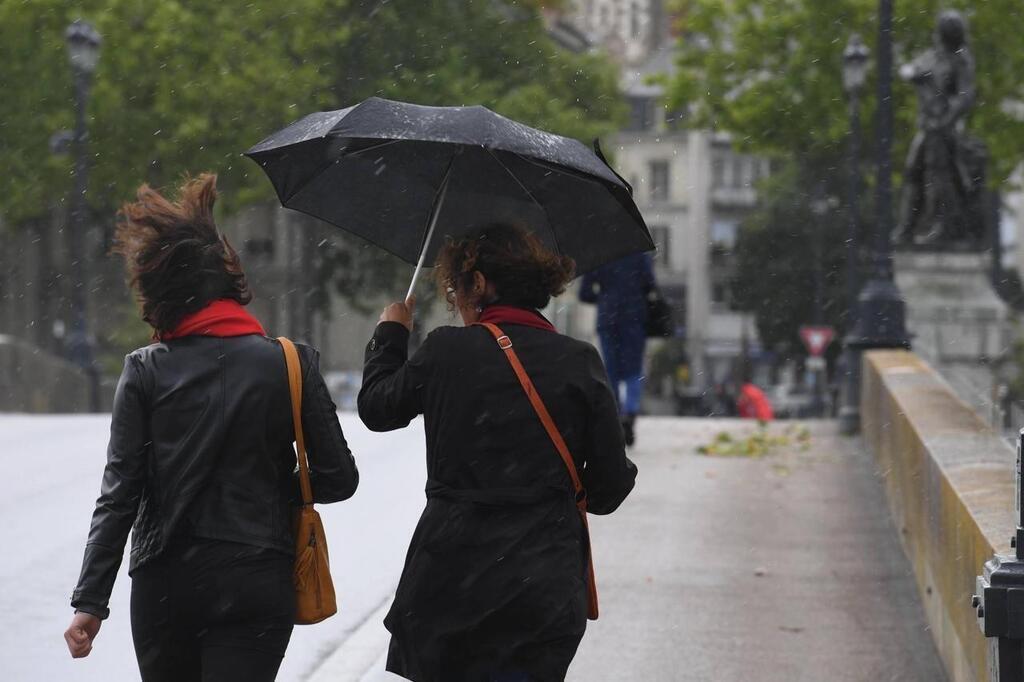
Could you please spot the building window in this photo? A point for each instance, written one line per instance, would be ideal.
(723, 232)
(719, 255)
(659, 180)
(660, 234)
(761, 169)
(718, 171)
(675, 118)
(738, 164)
(719, 293)
(641, 113)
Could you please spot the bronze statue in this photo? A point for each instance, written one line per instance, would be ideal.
(945, 166)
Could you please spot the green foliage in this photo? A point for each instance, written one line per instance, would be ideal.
(446, 52)
(770, 72)
(185, 86)
(181, 87)
(779, 247)
(756, 444)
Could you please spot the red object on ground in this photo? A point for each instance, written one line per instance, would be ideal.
(223, 318)
(752, 403)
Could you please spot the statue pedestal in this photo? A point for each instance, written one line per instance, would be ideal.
(958, 322)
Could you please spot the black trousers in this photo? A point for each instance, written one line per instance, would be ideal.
(212, 611)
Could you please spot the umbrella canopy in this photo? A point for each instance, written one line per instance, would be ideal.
(403, 176)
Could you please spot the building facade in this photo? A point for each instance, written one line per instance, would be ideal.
(692, 187)
(628, 30)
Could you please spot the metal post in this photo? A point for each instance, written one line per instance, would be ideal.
(853, 224)
(80, 344)
(881, 315)
(999, 601)
(849, 413)
(819, 207)
(883, 195)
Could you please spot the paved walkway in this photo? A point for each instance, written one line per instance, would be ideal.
(784, 568)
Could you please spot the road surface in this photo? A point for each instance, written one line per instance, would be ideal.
(779, 568)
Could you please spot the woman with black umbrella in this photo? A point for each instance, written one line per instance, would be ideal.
(497, 584)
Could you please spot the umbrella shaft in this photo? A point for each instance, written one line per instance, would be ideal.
(435, 211)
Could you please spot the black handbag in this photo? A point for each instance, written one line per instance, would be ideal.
(659, 315)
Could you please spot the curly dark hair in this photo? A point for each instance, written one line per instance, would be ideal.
(524, 272)
(177, 262)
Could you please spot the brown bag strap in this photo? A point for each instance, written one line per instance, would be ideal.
(291, 359)
(505, 344)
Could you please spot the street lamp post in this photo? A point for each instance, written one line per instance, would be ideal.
(855, 74)
(83, 43)
(819, 209)
(881, 312)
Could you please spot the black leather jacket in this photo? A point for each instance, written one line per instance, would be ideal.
(201, 444)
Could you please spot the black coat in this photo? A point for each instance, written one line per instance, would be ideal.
(494, 577)
(200, 444)
(620, 291)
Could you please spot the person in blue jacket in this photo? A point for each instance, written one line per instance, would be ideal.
(620, 291)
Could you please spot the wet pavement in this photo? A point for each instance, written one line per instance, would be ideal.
(779, 568)
(784, 567)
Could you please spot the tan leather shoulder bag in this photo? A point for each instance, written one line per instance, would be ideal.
(314, 590)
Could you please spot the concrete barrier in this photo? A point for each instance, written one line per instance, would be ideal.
(32, 380)
(950, 485)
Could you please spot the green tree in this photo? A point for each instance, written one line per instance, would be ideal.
(769, 72)
(447, 52)
(181, 87)
(186, 86)
(781, 247)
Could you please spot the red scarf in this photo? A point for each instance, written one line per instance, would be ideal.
(506, 314)
(224, 317)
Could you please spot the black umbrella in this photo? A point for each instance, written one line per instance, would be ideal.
(394, 173)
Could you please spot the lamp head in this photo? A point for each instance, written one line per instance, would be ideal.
(83, 43)
(855, 65)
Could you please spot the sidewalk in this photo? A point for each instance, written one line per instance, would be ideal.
(56, 492)
(784, 568)
(779, 569)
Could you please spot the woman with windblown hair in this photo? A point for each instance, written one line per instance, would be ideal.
(496, 586)
(200, 464)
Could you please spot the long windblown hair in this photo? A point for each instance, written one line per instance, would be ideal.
(176, 260)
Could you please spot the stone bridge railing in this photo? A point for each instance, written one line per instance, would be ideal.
(32, 380)
(950, 485)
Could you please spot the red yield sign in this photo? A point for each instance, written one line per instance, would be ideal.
(816, 339)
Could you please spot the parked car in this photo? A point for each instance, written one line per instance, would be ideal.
(790, 401)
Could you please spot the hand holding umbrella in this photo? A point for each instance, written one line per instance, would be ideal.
(400, 312)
